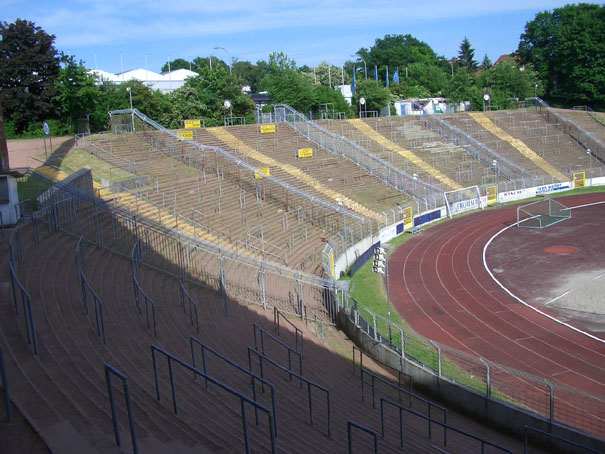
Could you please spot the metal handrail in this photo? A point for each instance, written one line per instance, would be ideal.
(7, 397)
(185, 296)
(85, 288)
(253, 377)
(243, 399)
(430, 421)
(290, 350)
(276, 315)
(527, 429)
(138, 290)
(28, 314)
(353, 425)
(342, 146)
(302, 380)
(244, 165)
(383, 365)
(114, 415)
(411, 395)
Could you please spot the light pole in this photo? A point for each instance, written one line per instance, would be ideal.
(228, 56)
(536, 91)
(589, 153)
(129, 90)
(497, 170)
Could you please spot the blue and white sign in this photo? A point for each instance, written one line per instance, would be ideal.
(46, 129)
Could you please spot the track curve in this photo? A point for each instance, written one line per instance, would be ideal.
(440, 287)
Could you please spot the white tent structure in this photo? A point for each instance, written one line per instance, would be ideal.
(165, 82)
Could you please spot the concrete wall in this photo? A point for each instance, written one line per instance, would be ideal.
(80, 180)
(10, 211)
(500, 415)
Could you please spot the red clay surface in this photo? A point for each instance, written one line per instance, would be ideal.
(440, 286)
(560, 250)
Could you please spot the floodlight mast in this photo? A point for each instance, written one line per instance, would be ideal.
(228, 56)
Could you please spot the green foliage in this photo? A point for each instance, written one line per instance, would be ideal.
(396, 51)
(285, 84)
(325, 95)
(373, 92)
(486, 63)
(567, 49)
(251, 75)
(29, 67)
(466, 55)
(203, 97)
(77, 94)
(178, 63)
(507, 80)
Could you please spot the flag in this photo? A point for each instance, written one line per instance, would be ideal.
(375, 73)
(396, 76)
(387, 77)
(353, 83)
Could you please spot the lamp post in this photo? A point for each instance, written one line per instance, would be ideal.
(228, 56)
(589, 153)
(129, 90)
(536, 91)
(497, 170)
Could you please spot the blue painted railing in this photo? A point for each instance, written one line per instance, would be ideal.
(109, 371)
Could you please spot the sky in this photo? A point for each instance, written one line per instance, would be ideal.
(115, 35)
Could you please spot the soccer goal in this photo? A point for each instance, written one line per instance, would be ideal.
(465, 199)
(540, 214)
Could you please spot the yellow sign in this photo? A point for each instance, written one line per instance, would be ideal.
(182, 135)
(332, 271)
(260, 173)
(492, 195)
(265, 129)
(305, 153)
(193, 124)
(579, 180)
(408, 218)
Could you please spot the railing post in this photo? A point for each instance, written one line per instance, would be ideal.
(551, 393)
(439, 357)
(488, 381)
(7, 400)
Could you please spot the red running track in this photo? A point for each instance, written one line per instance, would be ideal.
(440, 287)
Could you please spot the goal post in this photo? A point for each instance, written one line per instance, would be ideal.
(465, 199)
(540, 214)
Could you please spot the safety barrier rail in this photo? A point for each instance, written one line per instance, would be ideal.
(302, 380)
(243, 399)
(431, 421)
(187, 300)
(109, 371)
(277, 314)
(138, 290)
(86, 289)
(412, 397)
(528, 429)
(253, 377)
(384, 365)
(19, 293)
(7, 397)
(289, 349)
(352, 425)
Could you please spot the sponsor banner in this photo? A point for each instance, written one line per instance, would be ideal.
(260, 173)
(492, 195)
(518, 194)
(388, 233)
(182, 135)
(550, 188)
(466, 205)
(193, 124)
(305, 152)
(267, 129)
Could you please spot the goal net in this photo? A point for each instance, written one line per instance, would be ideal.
(465, 199)
(540, 214)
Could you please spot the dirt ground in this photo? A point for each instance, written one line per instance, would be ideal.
(30, 152)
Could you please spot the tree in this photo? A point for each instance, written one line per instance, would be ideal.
(285, 84)
(178, 63)
(77, 93)
(507, 80)
(376, 96)
(486, 63)
(252, 75)
(396, 51)
(567, 49)
(466, 55)
(29, 67)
